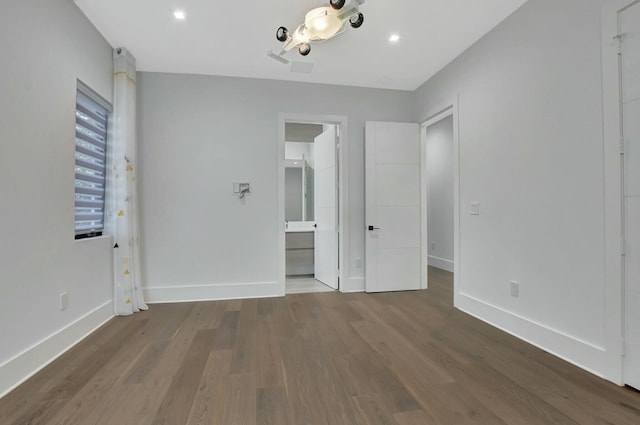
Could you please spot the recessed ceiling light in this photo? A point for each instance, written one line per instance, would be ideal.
(394, 38)
(179, 15)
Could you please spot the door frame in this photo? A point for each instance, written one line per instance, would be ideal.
(614, 230)
(448, 109)
(343, 196)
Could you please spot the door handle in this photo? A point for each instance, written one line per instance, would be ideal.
(371, 228)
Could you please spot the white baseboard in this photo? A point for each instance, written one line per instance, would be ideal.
(353, 284)
(230, 291)
(580, 353)
(26, 364)
(440, 263)
(212, 292)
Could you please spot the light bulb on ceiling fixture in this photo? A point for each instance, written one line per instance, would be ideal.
(179, 15)
(323, 22)
(394, 38)
(319, 24)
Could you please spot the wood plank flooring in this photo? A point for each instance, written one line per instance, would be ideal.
(314, 359)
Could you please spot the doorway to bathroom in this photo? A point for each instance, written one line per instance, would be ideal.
(311, 205)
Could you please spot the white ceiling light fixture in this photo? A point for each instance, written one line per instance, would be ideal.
(179, 15)
(394, 38)
(320, 24)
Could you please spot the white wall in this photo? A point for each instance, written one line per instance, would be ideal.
(45, 46)
(439, 144)
(531, 152)
(198, 134)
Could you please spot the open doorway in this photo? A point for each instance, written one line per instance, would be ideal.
(439, 158)
(440, 169)
(311, 206)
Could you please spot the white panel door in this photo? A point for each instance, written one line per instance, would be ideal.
(630, 28)
(325, 200)
(392, 187)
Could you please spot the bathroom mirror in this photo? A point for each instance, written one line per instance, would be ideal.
(299, 176)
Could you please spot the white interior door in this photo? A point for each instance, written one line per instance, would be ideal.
(392, 187)
(630, 30)
(325, 200)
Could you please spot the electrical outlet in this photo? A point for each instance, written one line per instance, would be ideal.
(475, 208)
(64, 301)
(515, 289)
(358, 263)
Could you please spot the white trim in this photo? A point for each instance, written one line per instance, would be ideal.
(85, 89)
(441, 263)
(613, 231)
(450, 108)
(212, 292)
(93, 239)
(439, 116)
(26, 364)
(343, 228)
(580, 353)
(424, 196)
(353, 284)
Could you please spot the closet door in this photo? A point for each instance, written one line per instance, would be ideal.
(392, 206)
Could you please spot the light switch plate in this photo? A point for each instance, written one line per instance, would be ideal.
(515, 289)
(475, 208)
(64, 301)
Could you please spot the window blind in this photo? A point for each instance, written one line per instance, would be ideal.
(90, 166)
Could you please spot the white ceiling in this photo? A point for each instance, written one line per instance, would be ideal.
(232, 37)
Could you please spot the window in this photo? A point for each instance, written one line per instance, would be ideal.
(92, 114)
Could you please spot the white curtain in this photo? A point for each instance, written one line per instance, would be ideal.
(128, 297)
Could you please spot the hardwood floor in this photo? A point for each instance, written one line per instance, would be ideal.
(318, 359)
